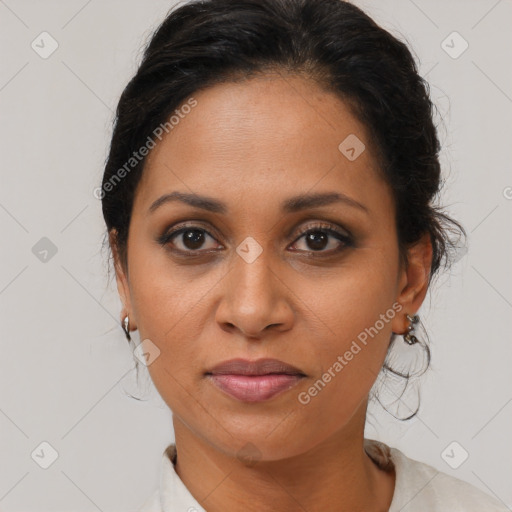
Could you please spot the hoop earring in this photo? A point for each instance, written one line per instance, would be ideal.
(409, 337)
(125, 324)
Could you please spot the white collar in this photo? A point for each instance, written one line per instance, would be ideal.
(174, 495)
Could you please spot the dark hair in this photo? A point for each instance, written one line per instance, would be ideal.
(333, 42)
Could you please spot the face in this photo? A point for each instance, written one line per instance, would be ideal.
(258, 271)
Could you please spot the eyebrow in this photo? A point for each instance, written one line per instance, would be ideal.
(291, 205)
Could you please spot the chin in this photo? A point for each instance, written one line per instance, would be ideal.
(251, 444)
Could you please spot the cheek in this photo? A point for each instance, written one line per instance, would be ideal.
(354, 324)
(169, 303)
(164, 296)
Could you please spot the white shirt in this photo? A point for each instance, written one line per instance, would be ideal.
(418, 487)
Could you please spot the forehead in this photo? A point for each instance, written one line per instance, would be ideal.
(268, 137)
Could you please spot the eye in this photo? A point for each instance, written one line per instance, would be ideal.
(188, 239)
(194, 240)
(316, 239)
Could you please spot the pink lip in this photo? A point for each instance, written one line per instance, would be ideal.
(254, 381)
(254, 388)
(262, 366)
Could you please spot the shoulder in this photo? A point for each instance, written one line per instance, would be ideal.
(420, 487)
(152, 504)
(171, 495)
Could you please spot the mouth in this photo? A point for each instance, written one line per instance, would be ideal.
(254, 381)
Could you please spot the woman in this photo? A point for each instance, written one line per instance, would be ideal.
(269, 203)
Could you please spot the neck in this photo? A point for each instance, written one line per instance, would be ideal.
(336, 474)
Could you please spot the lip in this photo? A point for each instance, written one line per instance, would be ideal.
(254, 381)
(254, 388)
(263, 366)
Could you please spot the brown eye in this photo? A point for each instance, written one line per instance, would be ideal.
(323, 239)
(187, 239)
(317, 240)
(193, 238)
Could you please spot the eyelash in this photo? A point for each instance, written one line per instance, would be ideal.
(346, 240)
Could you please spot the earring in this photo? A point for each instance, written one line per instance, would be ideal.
(125, 324)
(409, 338)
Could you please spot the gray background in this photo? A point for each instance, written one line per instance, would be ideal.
(65, 367)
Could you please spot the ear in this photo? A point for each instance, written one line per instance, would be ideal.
(413, 282)
(123, 286)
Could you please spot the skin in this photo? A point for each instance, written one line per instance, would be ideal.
(252, 145)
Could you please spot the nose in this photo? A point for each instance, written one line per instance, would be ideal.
(255, 299)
